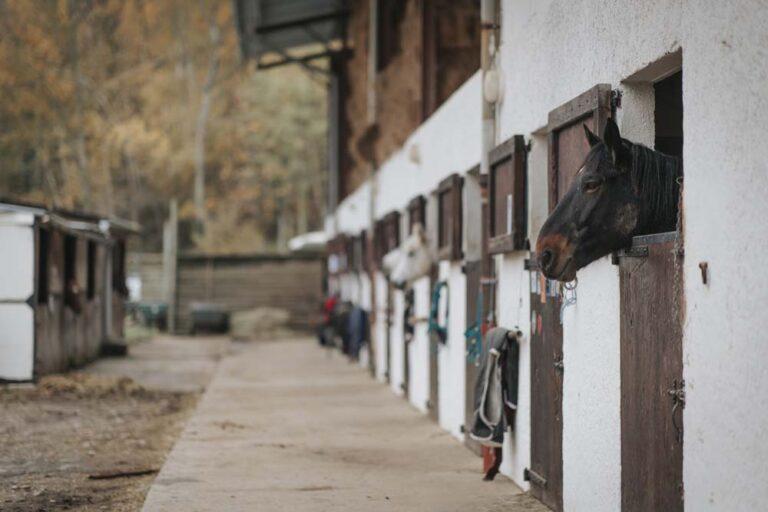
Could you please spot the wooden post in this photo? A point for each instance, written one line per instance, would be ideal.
(170, 262)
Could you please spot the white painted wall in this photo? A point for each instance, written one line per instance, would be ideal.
(418, 348)
(451, 356)
(17, 346)
(726, 178)
(17, 284)
(570, 46)
(591, 392)
(552, 50)
(513, 297)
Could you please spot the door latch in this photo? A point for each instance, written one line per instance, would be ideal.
(677, 392)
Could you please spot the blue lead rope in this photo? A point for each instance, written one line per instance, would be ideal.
(474, 333)
(434, 311)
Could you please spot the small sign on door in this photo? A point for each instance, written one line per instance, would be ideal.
(509, 214)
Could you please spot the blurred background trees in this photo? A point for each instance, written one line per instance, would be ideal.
(114, 106)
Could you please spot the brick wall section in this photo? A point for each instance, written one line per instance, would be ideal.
(400, 85)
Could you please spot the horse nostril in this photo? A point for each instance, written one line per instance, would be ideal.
(545, 258)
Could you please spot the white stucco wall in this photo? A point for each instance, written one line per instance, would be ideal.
(552, 50)
(591, 392)
(570, 47)
(418, 348)
(513, 297)
(451, 357)
(725, 93)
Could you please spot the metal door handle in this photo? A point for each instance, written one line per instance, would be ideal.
(677, 392)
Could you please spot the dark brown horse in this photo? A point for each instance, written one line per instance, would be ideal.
(621, 190)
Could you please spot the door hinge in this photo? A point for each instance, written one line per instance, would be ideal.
(536, 479)
(616, 95)
(558, 364)
(634, 252)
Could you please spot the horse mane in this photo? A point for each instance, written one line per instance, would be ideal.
(656, 179)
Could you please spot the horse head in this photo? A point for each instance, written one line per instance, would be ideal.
(621, 190)
(413, 259)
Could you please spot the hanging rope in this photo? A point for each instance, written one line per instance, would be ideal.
(569, 299)
(441, 331)
(474, 333)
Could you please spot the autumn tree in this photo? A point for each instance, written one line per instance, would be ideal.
(117, 106)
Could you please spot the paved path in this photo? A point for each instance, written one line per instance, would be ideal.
(168, 363)
(288, 426)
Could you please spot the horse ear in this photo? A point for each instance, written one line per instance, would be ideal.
(591, 137)
(613, 141)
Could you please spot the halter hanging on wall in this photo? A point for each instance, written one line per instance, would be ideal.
(568, 292)
(441, 331)
(474, 333)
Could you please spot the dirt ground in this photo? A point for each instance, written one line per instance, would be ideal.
(60, 433)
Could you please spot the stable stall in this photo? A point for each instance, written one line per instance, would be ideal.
(57, 275)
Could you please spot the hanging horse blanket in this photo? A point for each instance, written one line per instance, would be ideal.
(496, 388)
(358, 331)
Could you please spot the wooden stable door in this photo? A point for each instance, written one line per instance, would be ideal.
(388, 327)
(432, 405)
(408, 333)
(652, 396)
(472, 272)
(546, 471)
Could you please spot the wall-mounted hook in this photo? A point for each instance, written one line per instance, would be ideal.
(704, 267)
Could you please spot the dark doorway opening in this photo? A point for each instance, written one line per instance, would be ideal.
(91, 285)
(652, 386)
(43, 250)
(668, 115)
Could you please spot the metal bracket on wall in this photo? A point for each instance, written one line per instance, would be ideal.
(633, 252)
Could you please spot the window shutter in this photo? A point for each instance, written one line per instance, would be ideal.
(417, 212)
(449, 218)
(508, 196)
(567, 144)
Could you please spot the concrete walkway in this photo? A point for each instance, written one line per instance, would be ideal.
(289, 426)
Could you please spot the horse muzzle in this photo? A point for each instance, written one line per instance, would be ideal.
(555, 257)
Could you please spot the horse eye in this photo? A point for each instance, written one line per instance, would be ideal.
(591, 186)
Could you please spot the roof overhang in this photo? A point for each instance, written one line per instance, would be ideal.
(278, 32)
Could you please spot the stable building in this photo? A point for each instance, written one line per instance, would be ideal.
(62, 294)
(637, 383)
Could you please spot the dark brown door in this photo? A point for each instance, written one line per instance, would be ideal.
(546, 471)
(408, 331)
(388, 323)
(473, 271)
(433, 379)
(651, 376)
